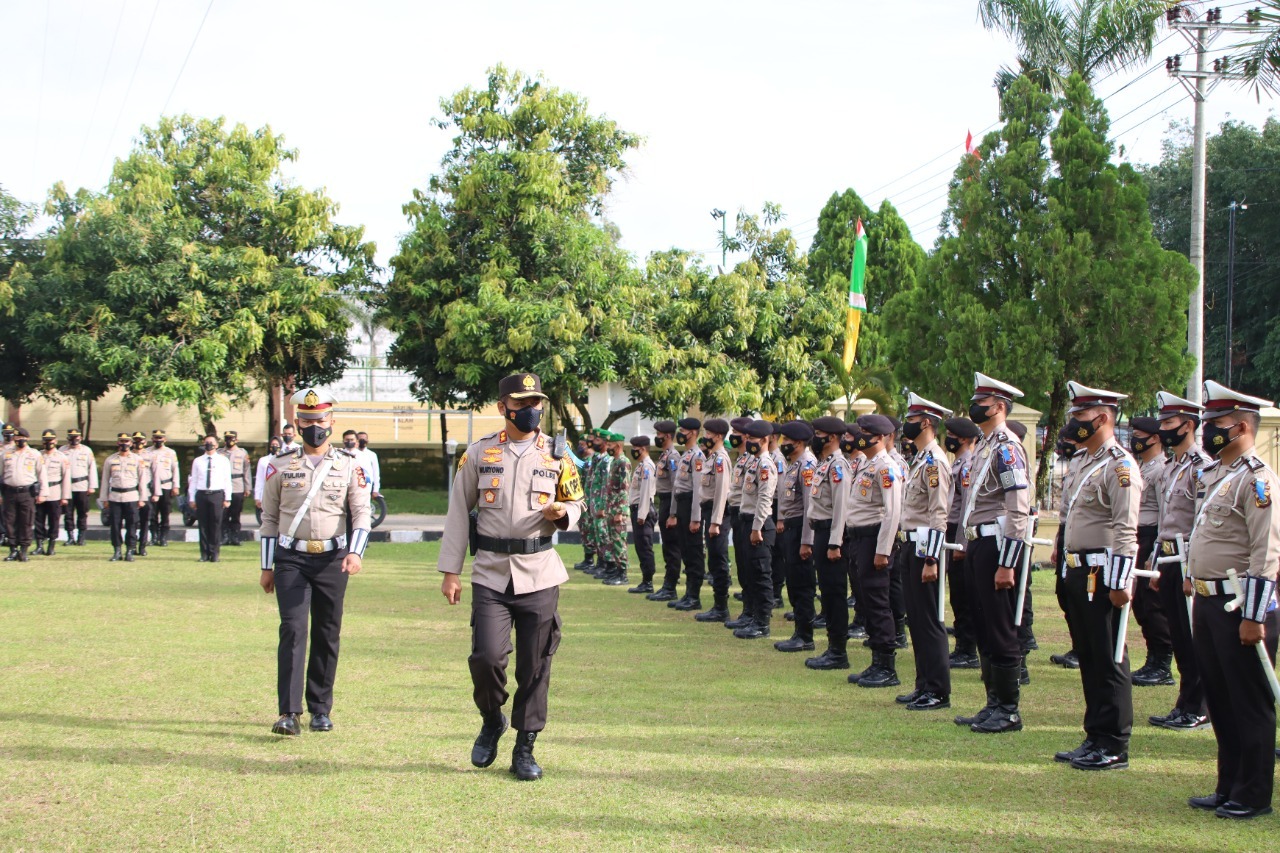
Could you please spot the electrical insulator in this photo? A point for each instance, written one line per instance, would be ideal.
(1172, 14)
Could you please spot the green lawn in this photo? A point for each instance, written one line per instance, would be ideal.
(419, 501)
(136, 701)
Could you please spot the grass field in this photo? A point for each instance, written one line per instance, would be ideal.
(136, 701)
(417, 501)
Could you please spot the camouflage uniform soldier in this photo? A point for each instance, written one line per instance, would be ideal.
(616, 512)
(595, 500)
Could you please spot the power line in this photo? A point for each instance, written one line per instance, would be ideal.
(194, 39)
(102, 84)
(106, 152)
(44, 53)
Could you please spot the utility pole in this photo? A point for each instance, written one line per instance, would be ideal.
(1231, 280)
(724, 238)
(1199, 34)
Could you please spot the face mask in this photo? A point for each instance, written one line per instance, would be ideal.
(1065, 449)
(349, 445)
(787, 449)
(753, 447)
(158, 443)
(1171, 437)
(735, 441)
(817, 444)
(20, 441)
(635, 454)
(210, 447)
(229, 442)
(275, 448)
(1082, 430)
(848, 445)
(50, 444)
(1216, 438)
(122, 447)
(1138, 446)
(660, 442)
(74, 441)
(363, 444)
(314, 436)
(706, 443)
(597, 446)
(867, 444)
(525, 420)
(952, 444)
(979, 413)
(911, 430)
(681, 438)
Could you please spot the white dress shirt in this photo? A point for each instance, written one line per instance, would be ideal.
(209, 471)
(368, 460)
(260, 477)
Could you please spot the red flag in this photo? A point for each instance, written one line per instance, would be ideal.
(968, 143)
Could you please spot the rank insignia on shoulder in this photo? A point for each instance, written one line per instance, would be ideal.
(1117, 452)
(1122, 474)
(886, 478)
(1262, 491)
(1254, 463)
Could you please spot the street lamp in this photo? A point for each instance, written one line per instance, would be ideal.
(1231, 280)
(450, 450)
(717, 213)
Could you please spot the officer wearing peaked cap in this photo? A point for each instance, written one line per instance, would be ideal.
(1144, 444)
(84, 482)
(166, 484)
(123, 491)
(962, 436)
(1237, 527)
(56, 493)
(664, 485)
(143, 453)
(24, 482)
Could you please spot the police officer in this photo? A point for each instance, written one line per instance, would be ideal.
(616, 514)
(307, 558)
(894, 446)
(998, 489)
(871, 528)
(241, 485)
(1179, 419)
(665, 479)
(125, 486)
(1026, 633)
(778, 565)
(1072, 454)
(23, 485)
(166, 482)
(793, 503)
(521, 495)
(1144, 444)
(274, 447)
(1101, 547)
(757, 526)
(1237, 527)
(140, 450)
(962, 437)
(709, 518)
(926, 500)
(640, 499)
(849, 446)
(84, 482)
(732, 514)
(209, 495)
(823, 538)
(687, 488)
(56, 493)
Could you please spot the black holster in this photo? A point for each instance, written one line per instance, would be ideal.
(473, 531)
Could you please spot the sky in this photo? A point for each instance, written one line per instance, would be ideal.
(739, 103)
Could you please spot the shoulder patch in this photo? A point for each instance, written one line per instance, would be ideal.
(764, 472)
(719, 465)
(697, 463)
(271, 470)
(1262, 493)
(886, 477)
(1122, 473)
(837, 473)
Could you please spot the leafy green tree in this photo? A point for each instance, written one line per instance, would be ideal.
(19, 369)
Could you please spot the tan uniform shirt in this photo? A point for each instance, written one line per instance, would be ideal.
(165, 475)
(759, 485)
(1238, 524)
(1177, 494)
(1149, 507)
(999, 486)
(290, 477)
(84, 468)
(926, 498)
(961, 472)
(241, 470)
(876, 498)
(1103, 504)
(665, 475)
(57, 477)
(641, 492)
(739, 474)
(713, 487)
(797, 480)
(125, 478)
(508, 489)
(23, 467)
(828, 498)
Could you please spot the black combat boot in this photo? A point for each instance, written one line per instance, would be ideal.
(618, 577)
(756, 630)
(522, 763)
(719, 611)
(48, 548)
(39, 552)
(797, 643)
(22, 554)
(664, 594)
(692, 598)
(485, 749)
(588, 560)
(129, 555)
(13, 555)
(742, 621)
(1156, 671)
(643, 587)
(883, 672)
(900, 634)
(142, 548)
(116, 557)
(1004, 717)
(988, 709)
(79, 537)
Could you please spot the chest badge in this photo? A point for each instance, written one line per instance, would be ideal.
(490, 496)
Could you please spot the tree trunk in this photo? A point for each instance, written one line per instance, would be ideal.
(1057, 405)
(621, 413)
(88, 422)
(444, 449)
(206, 421)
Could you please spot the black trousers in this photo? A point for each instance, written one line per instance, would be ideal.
(1147, 606)
(144, 520)
(670, 543)
(231, 518)
(538, 628)
(48, 515)
(76, 517)
(692, 550)
(833, 577)
(1026, 632)
(209, 517)
(928, 632)
(19, 516)
(801, 582)
(897, 584)
(308, 585)
(873, 585)
(958, 592)
(741, 548)
(642, 532)
(717, 554)
(1108, 692)
(756, 575)
(1190, 687)
(1240, 702)
(123, 516)
(992, 608)
(160, 510)
(777, 562)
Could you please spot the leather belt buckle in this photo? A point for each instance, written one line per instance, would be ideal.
(1167, 548)
(315, 546)
(971, 533)
(1202, 588)
(1074, 561)
(902, 536)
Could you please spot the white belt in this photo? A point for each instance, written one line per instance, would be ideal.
(313, 546)
(980, 530)
(1209, 587)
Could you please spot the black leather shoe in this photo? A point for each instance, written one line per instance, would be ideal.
(287, 725)
(964, 660)
(115, 558)
(1156, 676)
(1002, 719)
(321, 723)
(715, 614)
(485, 749)
(1231, 810)
(1070, 660)
(828, 660)
(1070, 755)
(737, 596)
(908, 698)
(641, 588)
(754, 631)
(741, 622)
(1179, 720)
(522, 763)
(688, 604)
(882, 672)
(1101, 759)
(790, 616)
(857, 632)
(1209, 803)
(929, 702)
(819, 622)
(128, 556)
(795, 644)
(663, 594)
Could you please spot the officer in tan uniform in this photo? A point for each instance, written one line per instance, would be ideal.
(307, 558)
(711, 517)
(1144, 444)
(640, 497)
(514, 489)
(1237, 527)
(1073, 454)
(823, 538)
(1179, 419)
(143, 453)
(926, 501)
(758, 530)
(241, 486)
(56, 493)
(1100, 544)
(686, 504)
(166, 481)
(962, 436)
(793, 502)
(733, 515)
(125, 485)
(84, 482)
(24, 483)
(664, 487)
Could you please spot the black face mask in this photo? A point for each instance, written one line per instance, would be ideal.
(349, 445)
(74, 441)
(525, 420)
(598, 448)
(363, 444)
(681, 438)
(20, 441)
(209, 448)
(911, 430)
(952, 444)
(50, 444)
(787, 449)
(274, 449)
(1216, 438)
(1139, 446)
(908, 448)
(1066, 449)
(735, 441)
(158, 444)
(867, 445)
(978, 413)
(1082, 430)
(314, 436)
(1172, 437)
(660, 442)
(753, 447)
(848, 445)
(122, 447)
(635, 454)
(706, 443)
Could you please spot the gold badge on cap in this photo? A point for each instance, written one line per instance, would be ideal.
(528, 382)
(312, 399)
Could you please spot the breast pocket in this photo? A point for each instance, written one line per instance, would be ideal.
(489, 491)
(1218, 514)
(541, 492)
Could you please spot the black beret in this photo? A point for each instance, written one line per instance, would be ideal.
(1067, 434)
(758, 429)
(739, 424)
(1017, 428)
(963, 428)
(796, 430)
(875, 424)
(717, 425)
(640, 440)
(664, 426)
(829, 424)
(897, 424)
(690, 423)
(852, 428)
(1148, 425)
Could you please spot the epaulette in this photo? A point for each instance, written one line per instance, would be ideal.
(345, 452)
(999, 436)
(1254, 463)
(1116, 451)
(928, 458)
(289, 452)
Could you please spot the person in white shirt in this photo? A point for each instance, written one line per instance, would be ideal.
(369, 462)
(290, 438)
(209, 494)
(260, 476)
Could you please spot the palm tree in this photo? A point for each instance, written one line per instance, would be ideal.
(1258, 60)
(860, 382)
(1056, 38)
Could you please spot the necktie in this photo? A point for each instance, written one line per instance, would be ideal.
(208, 473)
